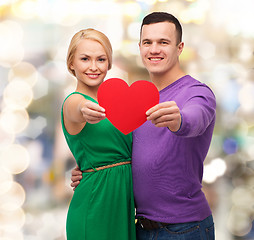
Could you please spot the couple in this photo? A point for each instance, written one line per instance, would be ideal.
(164, 157)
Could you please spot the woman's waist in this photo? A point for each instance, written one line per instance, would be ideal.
(103, 164)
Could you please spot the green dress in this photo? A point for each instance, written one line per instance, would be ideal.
(102, 206)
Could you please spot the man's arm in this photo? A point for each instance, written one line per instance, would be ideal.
(192, 120)
(76, 176)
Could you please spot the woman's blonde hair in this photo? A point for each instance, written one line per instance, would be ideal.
(91, 34)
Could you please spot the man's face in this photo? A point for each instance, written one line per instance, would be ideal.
(158, 47)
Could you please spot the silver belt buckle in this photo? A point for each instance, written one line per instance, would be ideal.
(141, 224)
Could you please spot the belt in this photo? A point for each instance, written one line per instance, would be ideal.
(151, 225)
(107, 166)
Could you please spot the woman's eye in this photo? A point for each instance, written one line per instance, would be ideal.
(102, 59)
(84, 59)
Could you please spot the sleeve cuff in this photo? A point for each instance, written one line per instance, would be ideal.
(180, 125)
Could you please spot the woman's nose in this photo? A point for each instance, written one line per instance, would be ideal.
(93, 66)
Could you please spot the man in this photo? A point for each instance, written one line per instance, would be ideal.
(169, 149)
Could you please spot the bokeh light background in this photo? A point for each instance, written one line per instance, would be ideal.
(35, 162)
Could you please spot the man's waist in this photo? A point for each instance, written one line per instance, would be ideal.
(148, 224)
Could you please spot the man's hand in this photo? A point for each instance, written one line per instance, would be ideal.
(92, 112)
(166, 114)
(76, 176)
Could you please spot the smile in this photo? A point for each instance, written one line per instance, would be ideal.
(92, 75)
(155, 59)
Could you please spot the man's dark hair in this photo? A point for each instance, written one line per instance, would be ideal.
(157, 17)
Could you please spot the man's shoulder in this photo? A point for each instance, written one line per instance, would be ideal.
(196, 84)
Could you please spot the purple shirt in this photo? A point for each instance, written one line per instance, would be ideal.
(168, 167)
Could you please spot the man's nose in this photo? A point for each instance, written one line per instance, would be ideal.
(154, 48)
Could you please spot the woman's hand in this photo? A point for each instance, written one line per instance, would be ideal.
(92, 112)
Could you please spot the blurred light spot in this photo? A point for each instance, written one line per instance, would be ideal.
(188, 55)
(131, 9)
(133, 31)
(230, 146)
(53, 71)
(41, 87)
(51, 228)
(35, 149)
(5, 138)
(195, 13)
(139, 62)
(129, 48)
(11, 49)
(10, 234)
(250, 147)
(49, 12)
(230, 101)
(213, 170)
(132, 48)
(36, 127)
(14, 198)
(219, 165)
(206, 50)
(14, 121)
(11, 31)
(7, 2)
(71, 20)
(12, 220)
(15, 158)
(116, 33)
(18, 94)
(25, 9)
(24, 71)
(149, 2)
(242, 197)
(114, 71)
(6, 180)
(235, 16)
(246, 51)
(216, 145)
(84, 8)
(209, 175)
(246, 97)
(239, 223)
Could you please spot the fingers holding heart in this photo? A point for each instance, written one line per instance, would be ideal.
(166, 114)
(92, 112)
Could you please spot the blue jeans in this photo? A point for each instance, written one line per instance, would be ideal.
(203, 230)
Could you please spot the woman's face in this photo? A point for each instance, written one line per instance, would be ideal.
(90, 63)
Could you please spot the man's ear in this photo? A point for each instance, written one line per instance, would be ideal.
(180, 48)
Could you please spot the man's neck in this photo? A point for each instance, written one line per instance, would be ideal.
(164, 80)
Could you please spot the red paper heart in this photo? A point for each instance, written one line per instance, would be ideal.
(126, 106)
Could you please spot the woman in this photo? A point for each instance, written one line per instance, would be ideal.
(102, 206)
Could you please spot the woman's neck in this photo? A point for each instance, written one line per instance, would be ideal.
(89, 91)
